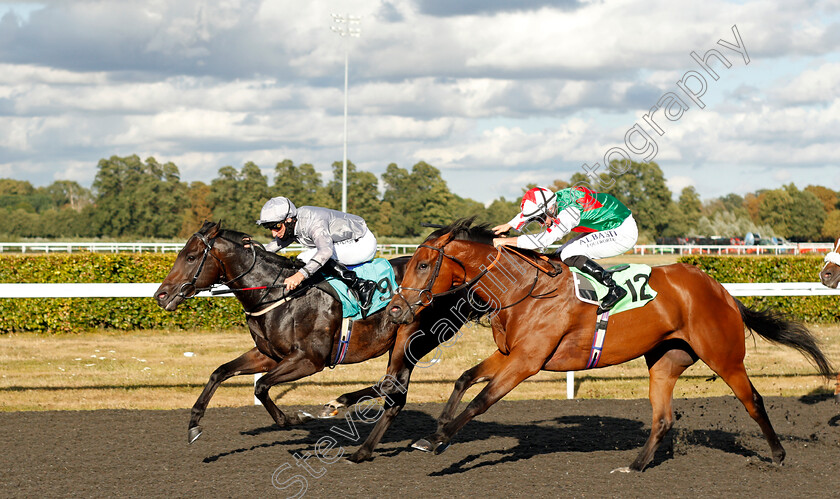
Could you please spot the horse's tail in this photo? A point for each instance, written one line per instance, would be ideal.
(776, 327)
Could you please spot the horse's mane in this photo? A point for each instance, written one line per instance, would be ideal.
(463, 229)
(236, 237)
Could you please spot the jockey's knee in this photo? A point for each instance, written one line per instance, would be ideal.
(572, 259)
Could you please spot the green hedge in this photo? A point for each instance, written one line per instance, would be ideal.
(62, 315)
(65, 315)
(773, 269)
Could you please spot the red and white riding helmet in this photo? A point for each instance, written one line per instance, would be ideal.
(538, 202)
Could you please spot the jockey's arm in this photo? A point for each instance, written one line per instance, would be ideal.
(324, 250)
(565, 221)
(276, 245)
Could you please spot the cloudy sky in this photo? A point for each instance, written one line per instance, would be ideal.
(495, 93)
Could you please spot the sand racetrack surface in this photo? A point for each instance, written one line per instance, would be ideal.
(551, 448)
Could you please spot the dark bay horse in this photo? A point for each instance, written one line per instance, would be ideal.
(830, 277)
(293, 338)
(540, 325)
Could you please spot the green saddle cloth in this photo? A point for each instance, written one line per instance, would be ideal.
(378, 270)
(635, 279)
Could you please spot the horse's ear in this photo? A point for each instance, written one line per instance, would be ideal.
(213, 229)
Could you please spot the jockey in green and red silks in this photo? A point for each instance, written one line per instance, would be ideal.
(607, 226)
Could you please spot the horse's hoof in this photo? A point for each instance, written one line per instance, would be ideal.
(423, 445)
(358, 457)
(194, 433)
(304, 416)
(440, 447)
(328, 412)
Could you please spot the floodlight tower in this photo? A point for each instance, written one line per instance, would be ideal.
(346, 26)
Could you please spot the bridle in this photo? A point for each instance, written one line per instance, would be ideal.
(427, 291)
(188, 289)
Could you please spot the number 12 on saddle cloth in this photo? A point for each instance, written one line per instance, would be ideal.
(634, 278)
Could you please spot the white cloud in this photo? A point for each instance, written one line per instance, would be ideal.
(677, 183)
(519, 93)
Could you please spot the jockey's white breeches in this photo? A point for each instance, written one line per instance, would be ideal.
(349, 251)
(605, 243)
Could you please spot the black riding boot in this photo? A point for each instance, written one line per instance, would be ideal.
(362, 288)
(615, 293)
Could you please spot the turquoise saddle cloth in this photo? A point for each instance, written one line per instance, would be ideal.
(378, 270)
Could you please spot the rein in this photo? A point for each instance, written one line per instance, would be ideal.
(208, 246)
(427, 291)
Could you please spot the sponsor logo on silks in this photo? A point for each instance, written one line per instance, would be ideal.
(599, 237)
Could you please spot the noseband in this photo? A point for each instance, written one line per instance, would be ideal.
(183, 290)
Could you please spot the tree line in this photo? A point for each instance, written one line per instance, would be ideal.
(139, 200)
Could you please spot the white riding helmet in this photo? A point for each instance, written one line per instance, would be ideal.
(539, 201)
(277, 210)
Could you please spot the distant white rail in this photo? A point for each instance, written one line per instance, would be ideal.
(147, 290)
(692, 249)
(404, 249)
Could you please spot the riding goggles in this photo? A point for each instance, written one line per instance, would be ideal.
(272, 225)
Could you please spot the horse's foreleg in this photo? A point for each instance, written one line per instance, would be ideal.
(394, 388)
(292, 368)
(511, 370)
(250, 362)
(481, 372)
(331, 408)
(664, 372)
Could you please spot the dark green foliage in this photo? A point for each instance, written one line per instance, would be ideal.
(236, 197)
(773, 269)
(71, 315)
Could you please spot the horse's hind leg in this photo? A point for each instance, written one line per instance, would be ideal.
(250, 362)
(737, 379)
(293, 367)
(664, 368)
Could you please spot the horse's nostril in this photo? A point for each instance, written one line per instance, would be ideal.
(161, 296)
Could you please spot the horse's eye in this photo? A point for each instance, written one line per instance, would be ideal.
(190, 259)
(423, 266)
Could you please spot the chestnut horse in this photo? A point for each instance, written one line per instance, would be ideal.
(294, 337)
(693, 317)
(830, 277)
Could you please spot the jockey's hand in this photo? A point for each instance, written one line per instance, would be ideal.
(294, 281)
(504, 241)
(501, 229)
